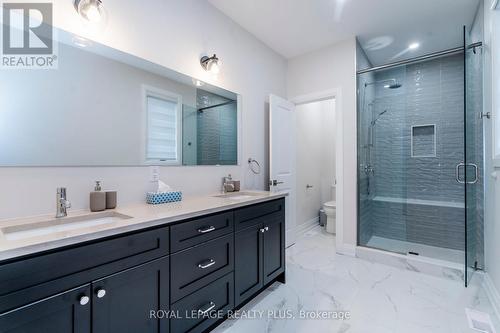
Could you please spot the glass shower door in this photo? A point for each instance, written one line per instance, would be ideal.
(473, 137)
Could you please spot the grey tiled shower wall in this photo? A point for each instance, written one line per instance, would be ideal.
(415, 199)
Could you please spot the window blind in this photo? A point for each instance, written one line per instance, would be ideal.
(162, 135)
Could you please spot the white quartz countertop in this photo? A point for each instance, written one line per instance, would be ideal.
(142, 216)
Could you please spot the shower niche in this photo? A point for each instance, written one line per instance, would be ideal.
(423, 141)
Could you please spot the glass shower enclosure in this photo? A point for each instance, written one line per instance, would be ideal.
(420, 153)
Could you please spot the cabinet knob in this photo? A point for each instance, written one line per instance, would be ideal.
(263, 230)
(100, 293)
(266, 228)
(84, 300)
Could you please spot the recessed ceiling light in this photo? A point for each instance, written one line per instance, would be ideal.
(414, 46)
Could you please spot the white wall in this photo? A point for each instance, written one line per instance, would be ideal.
(174, 34)
(491, 85)
(105, 127)
(334, 68)
(315, 157)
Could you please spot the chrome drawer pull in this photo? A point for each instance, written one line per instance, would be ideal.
(206, 264)
(209, 307)
(206, 229)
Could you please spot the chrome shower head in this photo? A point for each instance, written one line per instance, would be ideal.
(392, 83)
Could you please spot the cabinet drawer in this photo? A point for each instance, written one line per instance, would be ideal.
(196, 267)
(248, 216)
(218, 296)
(200, 230)
(34, 278)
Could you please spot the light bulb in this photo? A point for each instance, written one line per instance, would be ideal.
(414, 46)
(93, 14)
(92, 11)
(215, 68)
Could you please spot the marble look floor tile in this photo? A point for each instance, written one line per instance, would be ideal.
(379, 298)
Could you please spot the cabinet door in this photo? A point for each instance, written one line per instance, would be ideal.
(128, 301)
(248, 263)
(68, 312)
(274, 248)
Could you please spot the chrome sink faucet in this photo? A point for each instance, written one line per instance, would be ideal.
(62, 203)
(227, 185)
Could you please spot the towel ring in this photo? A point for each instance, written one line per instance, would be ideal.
(254, 166)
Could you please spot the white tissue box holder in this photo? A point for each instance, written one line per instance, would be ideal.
(154, 198)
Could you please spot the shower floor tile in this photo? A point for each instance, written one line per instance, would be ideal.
(434, 252)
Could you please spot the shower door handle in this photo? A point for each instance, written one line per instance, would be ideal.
(476, 173)
(457, 172)
(464, 166)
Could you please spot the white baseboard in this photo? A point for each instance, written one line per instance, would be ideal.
(493, 294)
(302, 228)
(347, 250)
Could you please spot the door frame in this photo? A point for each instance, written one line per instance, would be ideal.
(336, 94)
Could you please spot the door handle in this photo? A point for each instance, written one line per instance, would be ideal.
(476, 173)
(457, 172)
(206, 264)
(464, 165)
(275, 182)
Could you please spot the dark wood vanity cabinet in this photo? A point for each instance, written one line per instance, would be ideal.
(123, 302)
(259, 254)
(164, 279)
(67, 312)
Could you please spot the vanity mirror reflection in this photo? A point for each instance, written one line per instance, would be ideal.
(103, 107)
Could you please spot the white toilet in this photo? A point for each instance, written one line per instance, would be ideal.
(330, 209)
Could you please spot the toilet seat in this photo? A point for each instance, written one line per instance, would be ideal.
(330, 204)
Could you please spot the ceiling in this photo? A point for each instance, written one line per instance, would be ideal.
(384, 28)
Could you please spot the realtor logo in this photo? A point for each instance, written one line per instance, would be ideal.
(28, 36)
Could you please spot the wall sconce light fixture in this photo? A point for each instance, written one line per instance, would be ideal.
(91, 10)
(211, 64)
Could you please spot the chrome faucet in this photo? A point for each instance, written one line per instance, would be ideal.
(62, 203)
(227, 184)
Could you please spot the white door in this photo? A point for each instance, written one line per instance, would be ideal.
(282, 157)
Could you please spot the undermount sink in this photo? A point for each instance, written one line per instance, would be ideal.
(238, 195)
(61, 225)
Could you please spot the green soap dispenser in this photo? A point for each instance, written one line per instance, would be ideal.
(97, 198)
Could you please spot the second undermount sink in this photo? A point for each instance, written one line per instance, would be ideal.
(238, 195)
(37, 229)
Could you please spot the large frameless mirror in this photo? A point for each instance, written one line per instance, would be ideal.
(103, 107)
